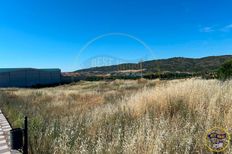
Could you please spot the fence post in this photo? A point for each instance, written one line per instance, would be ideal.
(25, 146)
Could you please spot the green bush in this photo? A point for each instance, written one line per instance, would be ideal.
(225, 72)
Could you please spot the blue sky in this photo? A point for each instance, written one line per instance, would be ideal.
(51, 33)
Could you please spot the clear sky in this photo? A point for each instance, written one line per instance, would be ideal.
(52, 33)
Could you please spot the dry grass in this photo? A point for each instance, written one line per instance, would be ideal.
(121, 116)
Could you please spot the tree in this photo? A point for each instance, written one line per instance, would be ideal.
(225, 72)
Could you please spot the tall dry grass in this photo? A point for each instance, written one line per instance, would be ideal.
(122, 116)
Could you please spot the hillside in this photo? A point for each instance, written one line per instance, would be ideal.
(177, 64)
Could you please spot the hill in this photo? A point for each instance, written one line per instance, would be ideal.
(176, 64)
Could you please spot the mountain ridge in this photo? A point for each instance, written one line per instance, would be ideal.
(174, 64)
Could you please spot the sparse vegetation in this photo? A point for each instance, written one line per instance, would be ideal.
(144, 116)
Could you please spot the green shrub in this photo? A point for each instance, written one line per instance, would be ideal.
(225, 72)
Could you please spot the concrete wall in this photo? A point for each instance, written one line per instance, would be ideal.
(4, 79)
(18, 79)
(32, 77)
(29, 78)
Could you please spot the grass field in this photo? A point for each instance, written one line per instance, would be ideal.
(137, 116)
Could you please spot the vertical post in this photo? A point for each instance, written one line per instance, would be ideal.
(141, 68)
(25, 146)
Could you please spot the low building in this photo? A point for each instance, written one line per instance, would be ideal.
(29, 77)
